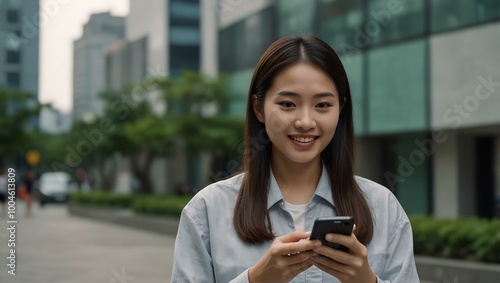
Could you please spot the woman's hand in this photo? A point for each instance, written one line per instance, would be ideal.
(348, 267)
(285, 259)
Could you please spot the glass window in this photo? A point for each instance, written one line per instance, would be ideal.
(241, 44)
(487, 10)
(396, 88)
(339, 22)
(448, 14)
(354, 68)
(185, 35)
(13, 57)
(13, 79)
(184, 57)
(185, 10)
(295, 17)
(228, 44)
(12, 16)
(392, 20)
(413, 193)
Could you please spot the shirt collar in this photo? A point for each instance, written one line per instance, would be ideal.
(323, 190)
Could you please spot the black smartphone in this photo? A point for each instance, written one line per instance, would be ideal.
(337, 224)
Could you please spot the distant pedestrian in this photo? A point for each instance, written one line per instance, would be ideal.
(28, 181)
(3, 190)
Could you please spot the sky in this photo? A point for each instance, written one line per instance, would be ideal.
(64, 24)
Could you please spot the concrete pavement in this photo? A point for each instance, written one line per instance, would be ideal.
(54, 247)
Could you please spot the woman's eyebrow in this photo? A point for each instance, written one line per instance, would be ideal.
(294, 94)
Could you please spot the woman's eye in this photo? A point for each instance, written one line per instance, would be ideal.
(286, 104)
(323, 105)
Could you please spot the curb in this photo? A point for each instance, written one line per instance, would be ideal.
(446, 270)
(430, 269)
(125, 217)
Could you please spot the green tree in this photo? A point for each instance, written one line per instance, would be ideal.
(17, 111)
(201, 102)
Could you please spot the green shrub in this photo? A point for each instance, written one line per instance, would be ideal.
(487, 244)
(102, 199)
(459, 238)
(164, 205)
(427, 238)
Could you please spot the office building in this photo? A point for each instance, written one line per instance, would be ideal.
(163, 37)
(425, 84)
(19, 48)
(89, 63)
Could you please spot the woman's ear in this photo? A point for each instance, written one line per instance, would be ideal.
(342, 105)
(257, 108)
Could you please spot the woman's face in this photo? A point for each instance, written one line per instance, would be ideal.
(300, 113)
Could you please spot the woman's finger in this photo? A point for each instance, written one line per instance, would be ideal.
(336, 255)
(298, 247)
(294, 236)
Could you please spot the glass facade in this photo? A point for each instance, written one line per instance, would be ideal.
(414, 175)
(242, 44)
(396, 84)
(354, 68)
(295, 17)
(393, 20)
(449, 14)
(339, 22)
(184, 35)
(402, 73)
(237, 87)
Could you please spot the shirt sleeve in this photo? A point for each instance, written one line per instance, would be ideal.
(242, 278)
(192, 260)
(192, 256)
(400, 266)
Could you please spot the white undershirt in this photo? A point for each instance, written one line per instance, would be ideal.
(298, 212)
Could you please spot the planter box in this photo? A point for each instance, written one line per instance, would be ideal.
(441, 270)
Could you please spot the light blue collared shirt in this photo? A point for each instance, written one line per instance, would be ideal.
(208, 249)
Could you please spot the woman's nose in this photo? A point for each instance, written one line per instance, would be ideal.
(305, 120)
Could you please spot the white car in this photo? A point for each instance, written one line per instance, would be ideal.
(54, 187)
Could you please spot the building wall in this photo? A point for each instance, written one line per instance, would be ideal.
(19, 40)
(148, 19)
(55, 122)
(465, 88)
(209, 38)
(407, 84)
(232, 11)
(89, 67)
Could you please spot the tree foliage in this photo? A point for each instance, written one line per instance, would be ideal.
(17, 111)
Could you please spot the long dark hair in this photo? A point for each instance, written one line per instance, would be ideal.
(251, 218)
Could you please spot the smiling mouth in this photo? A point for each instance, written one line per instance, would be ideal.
(302, 139)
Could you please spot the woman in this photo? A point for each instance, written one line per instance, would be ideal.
(297, 166)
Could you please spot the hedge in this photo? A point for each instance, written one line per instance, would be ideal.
(149, 204)
(166, 205)
(464, 238)
(102, 199)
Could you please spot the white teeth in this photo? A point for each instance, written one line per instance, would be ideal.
(303, 140)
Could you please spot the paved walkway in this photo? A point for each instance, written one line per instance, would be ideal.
(55, 247)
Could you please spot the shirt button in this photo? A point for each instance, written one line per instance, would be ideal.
(282, 204)
(309, 214)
